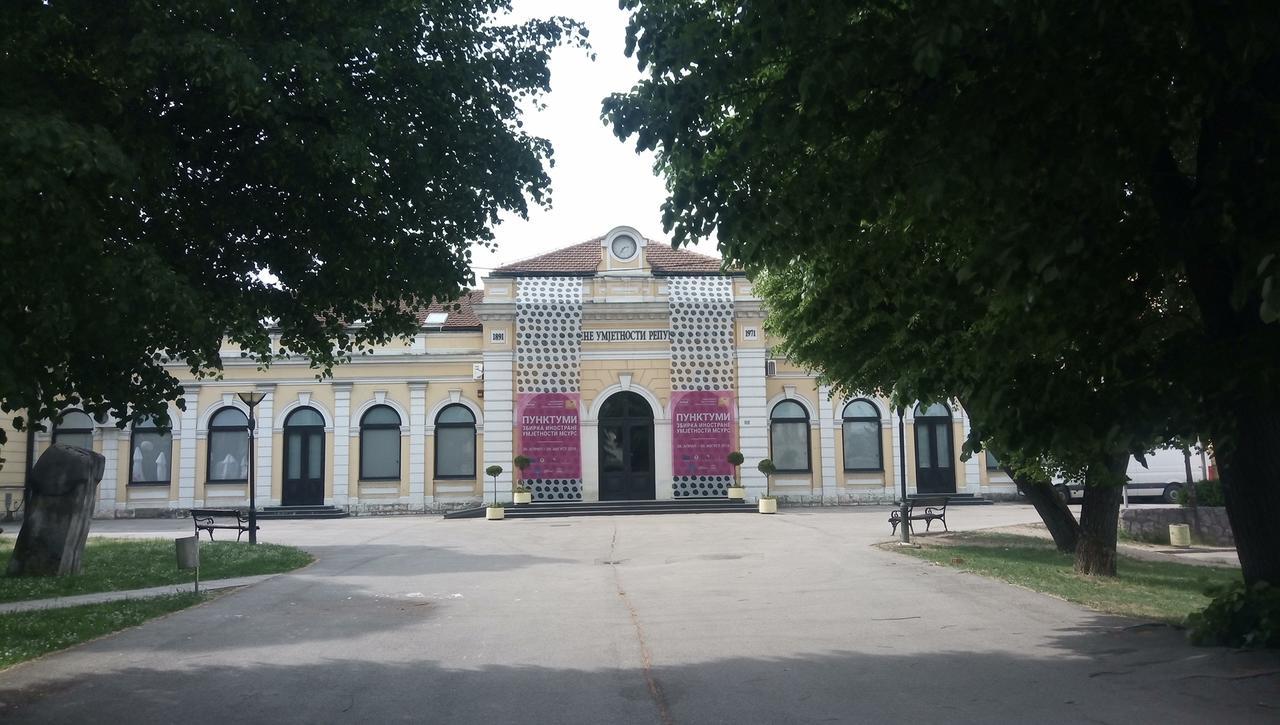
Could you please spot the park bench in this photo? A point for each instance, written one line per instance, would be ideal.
(934, 509)
(210, 519)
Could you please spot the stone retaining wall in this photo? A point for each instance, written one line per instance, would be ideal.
(1152, 525)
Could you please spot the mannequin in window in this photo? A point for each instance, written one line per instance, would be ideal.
(162, 467)
(228, 467)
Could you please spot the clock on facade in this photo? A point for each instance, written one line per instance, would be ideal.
(623, 247)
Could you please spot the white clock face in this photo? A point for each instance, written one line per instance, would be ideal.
(624, 247)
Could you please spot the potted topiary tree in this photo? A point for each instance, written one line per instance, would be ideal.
(768, 502)
(494, 511)
(736, 491)
(523, 494)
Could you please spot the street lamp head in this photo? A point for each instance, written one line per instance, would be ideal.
(251, 398)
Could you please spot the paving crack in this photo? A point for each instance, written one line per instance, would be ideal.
(646, 657)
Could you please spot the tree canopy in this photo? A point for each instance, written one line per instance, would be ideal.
(173, 175)
(1058, 212)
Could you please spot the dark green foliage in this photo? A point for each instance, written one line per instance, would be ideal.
(1058, 213)
(735, 458)
(522, 462)
(766, 467)
(1239, 616)
(156, 158)
(1208, 493)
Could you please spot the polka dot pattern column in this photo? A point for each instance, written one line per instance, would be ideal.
(548, 349)
(702, 359)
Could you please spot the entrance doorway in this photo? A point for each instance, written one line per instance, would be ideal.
(935, 472)
(303, 483)
(626, 449)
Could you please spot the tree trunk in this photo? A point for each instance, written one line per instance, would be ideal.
(1100, 516)
(1250, 471)
(1053, 511)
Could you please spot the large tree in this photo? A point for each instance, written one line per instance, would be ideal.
(175, 174)
(1104, 174)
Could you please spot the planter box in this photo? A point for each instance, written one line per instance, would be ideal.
(737, 493)
(768, 505)
(523, 498)
(495, 514)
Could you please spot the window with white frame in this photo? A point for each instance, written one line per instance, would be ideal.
(862, 444)
(75, 429)
(455, 442)
(380, 444)
(150, 453)
(228, 458)
(789, 437)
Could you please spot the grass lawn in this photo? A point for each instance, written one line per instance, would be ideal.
(26, 635)
(1162, 591)
(118, 564)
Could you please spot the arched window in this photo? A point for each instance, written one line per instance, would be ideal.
(862, 446)
(380, 444)
(228, 446)
(789, 437)
(75, 429)
(455, 442)
(150, 453)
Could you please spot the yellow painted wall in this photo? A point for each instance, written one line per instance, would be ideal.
(14, 453)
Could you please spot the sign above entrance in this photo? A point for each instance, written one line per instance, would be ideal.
(639, 335)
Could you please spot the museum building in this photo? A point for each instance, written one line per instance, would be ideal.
(622, 368)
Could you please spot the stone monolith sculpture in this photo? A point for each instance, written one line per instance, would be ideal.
(59, 503)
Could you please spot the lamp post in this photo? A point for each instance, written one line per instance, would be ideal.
(252, 399)
(904, 509)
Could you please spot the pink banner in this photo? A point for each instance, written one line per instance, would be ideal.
(549, 435)
(702, 432)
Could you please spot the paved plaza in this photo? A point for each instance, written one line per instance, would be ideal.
(731, 618)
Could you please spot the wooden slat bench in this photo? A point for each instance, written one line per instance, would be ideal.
(210, 519)
(933, 509)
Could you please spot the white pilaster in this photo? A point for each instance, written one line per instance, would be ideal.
(827, 443)
(972, 475)
(417, 443)
(753, 419)
(499, 417)
(341, 443)
(107, 488)
(187, 464)
(893, 483)
(589, 432)
(263, 447)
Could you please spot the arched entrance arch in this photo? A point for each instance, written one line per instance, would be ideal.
(934, 454)
(626, 448)
(303, 483)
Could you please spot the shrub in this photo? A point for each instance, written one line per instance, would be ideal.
(735, 458)
(1208, 493)
(1238, 616)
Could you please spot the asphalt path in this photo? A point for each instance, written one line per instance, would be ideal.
(733, 618)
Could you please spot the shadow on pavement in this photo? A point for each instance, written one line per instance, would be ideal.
(1099, 674)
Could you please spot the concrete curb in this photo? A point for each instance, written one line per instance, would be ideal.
(99, 597)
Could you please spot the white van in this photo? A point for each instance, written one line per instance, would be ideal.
(1164, 475)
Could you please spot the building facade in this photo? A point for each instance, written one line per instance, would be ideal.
(623, 369)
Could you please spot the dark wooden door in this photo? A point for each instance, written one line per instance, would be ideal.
(626, 449)
(303, 483)
(935, 468)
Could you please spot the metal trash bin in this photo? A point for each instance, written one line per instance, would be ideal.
(188, 549)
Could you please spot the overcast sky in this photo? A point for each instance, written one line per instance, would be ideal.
(598, 182)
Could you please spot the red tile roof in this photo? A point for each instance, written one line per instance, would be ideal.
(583, 259)
(460, 319)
